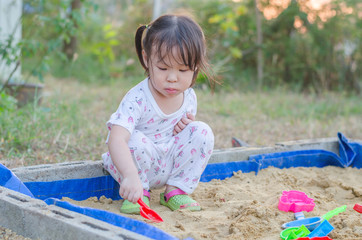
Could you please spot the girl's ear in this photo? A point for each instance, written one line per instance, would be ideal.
(144, 55)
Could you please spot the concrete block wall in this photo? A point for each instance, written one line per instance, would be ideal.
(35, 219)
(60, 171)
(243, 153)
(90, 169)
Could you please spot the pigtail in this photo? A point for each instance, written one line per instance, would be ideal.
(138, 43)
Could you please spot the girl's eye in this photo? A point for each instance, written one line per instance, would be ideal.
(184, 70)
(162, 69)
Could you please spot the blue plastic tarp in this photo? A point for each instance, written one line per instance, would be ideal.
(76, 189)
(10, 181)
(115, 219)
(350, 155)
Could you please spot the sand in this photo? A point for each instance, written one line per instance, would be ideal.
(245, 205)
(7, 234)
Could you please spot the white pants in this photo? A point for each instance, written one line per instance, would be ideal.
(179, 163)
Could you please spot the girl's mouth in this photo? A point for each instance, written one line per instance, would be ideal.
(171, 90)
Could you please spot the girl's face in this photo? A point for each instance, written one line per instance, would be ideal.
(169, 77)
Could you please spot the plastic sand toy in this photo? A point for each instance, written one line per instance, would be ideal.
(286, 232)
(313, 222)
(358, 208)
(310, 223)
(294, 233)
(148, 213)
(295, 201)
(322, 230)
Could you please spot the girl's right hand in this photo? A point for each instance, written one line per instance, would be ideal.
(183, 123)
(131, 188)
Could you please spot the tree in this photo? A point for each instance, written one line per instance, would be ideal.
(259, 44)
(70, 45)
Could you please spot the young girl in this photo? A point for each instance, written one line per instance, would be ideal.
(153, 140)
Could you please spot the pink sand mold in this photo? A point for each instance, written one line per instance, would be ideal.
(295, 201)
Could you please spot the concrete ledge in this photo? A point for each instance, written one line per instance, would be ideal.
(35, 219)
(90, 169)
(60, 171)
(243, 153)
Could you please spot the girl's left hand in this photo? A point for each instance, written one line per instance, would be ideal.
(183, 123)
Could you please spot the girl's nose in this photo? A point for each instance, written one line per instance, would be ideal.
(172, 76)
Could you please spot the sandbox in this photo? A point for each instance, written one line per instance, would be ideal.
(237, 203)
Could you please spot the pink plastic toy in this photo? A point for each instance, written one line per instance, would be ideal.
(295, 201)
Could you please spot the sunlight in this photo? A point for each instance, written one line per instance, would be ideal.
(317, 4)
(314, 8)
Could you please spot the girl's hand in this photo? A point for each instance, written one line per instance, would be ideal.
(183, 123)
(131, 188)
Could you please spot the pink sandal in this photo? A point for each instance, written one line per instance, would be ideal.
(178, 199)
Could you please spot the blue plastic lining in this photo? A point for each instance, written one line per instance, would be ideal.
(350, 155)
(115, 219)
(10, 181)
(76, 189)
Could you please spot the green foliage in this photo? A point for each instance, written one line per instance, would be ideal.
(226, 22)
(311, 57)
(45, 29)
(25, 129)
(9, 51)
(104, 49)
(7, 103)
(229, 27)
(106, 45)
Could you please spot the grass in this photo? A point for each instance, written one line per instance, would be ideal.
(69, 125)
(278, 115)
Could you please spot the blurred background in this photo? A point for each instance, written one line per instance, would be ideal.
(282, 64)
(308, 45)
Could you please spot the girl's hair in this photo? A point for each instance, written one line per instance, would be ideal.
(169, 31)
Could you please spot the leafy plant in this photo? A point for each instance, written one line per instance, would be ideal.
(226, 21)
(106, 45)
(7, 103)
(104, 49)
(45, 31)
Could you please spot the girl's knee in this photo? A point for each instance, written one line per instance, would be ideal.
(201, 130)
(138, 141)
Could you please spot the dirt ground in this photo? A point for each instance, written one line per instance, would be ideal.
(7, 234)
(245, 205)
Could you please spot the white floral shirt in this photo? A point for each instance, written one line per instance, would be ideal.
(138, 110)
